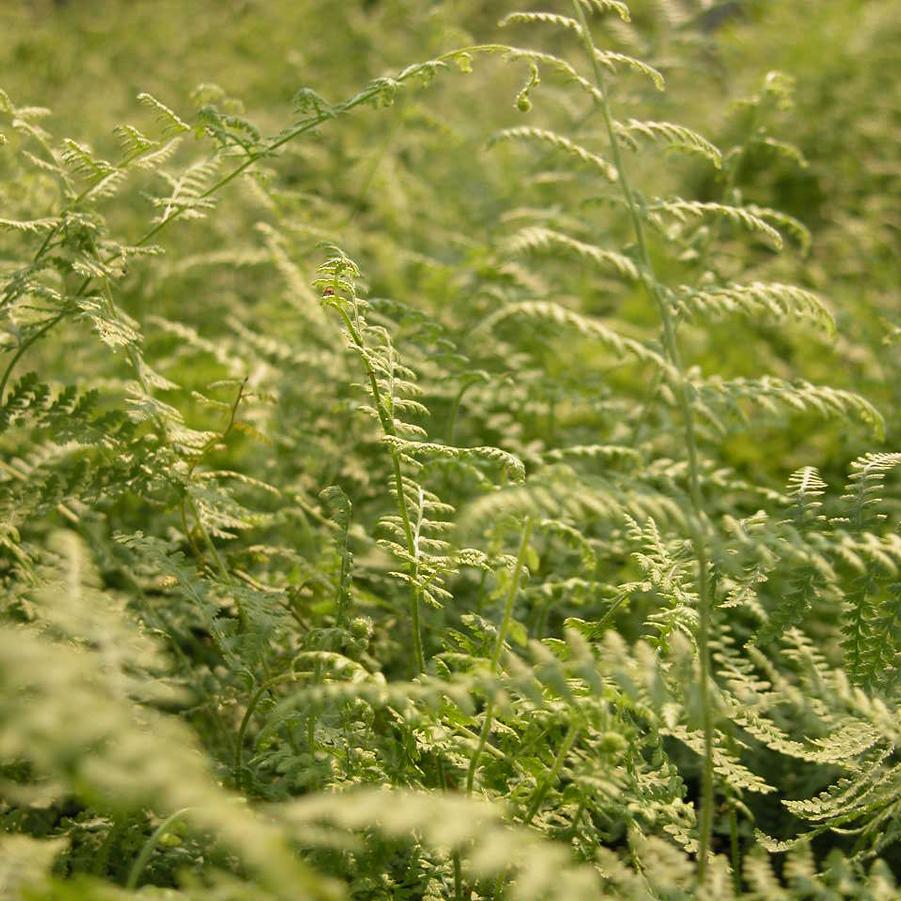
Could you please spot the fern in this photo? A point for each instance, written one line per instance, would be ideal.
(558, 142)
(512, 560)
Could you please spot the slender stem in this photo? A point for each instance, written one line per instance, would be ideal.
(671, 347)
(150, 846)
(498, 648)
(220, 563)
(553, 774)
(251, 707)
(735, 848)
(24, 346)
(187, 530)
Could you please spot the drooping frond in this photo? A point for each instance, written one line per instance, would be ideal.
(611, 59)
(556, 314)
(747, 217)
(543, 18)
(538, 239)
(558, 142)
(764, 300)
(677, 137)
(604, 6)
(772, 394)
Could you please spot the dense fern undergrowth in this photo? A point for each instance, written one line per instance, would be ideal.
(449, 459)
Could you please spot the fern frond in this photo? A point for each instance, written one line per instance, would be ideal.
(771, 393)
(774, 300)
(865, 485)
(414, 450)
(170, 122)
(604, 6)
(536, 238)
(556, 314)
(727, 767)
(543, 18)
(34, 226)
(748, 217)
(474, 828)
(610, 59)
(559, 142)
(677, 137)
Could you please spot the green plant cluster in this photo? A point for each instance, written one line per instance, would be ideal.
(449, 451)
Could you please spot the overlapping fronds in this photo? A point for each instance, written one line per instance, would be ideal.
(503, 554)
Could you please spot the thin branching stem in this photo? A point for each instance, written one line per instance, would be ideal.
(671, 346)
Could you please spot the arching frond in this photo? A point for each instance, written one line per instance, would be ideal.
(677, 137)
(559, 315)
(558, 142)
(537, 239)
(766, 300)
(611, 59)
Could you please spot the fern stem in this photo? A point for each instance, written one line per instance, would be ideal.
(671, 347)
(735, 849)
(388, 428)
(553, 774)
(248, 714)
(415, 624)
(150, 846)
(498, 648)
(24, 346)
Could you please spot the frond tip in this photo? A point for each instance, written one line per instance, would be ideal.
(543, 18)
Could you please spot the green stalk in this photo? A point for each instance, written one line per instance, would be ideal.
(150, 846)
(248, 714)
(553, 774)
(498, 648)
(24, 346)
(671, 347)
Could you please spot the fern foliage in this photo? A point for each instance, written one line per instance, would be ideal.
(456, 476)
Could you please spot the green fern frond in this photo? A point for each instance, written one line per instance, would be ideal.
(543, 18)
(476, 829)
(170, 122)
(678, 137)
(747, 217)
(556, 314)
(865, 485)
(773, 300)
(610, 60)
(559, 142)
(536, 238)
(771, 393)
(604, 6)
(33, 226)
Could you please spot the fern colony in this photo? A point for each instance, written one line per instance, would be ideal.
(479, 486)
